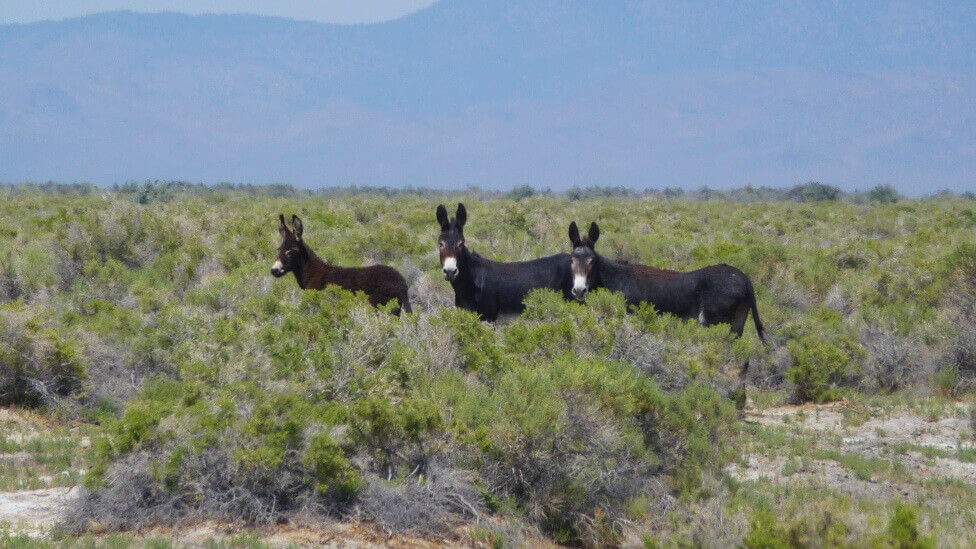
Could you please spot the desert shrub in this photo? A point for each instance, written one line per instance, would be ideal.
(383, 429)
(883, 194)
(891, 358)
(430, 503)
(330, 467)
(562, 456)
(903, 529)
(112, 373)
(945, 381)
(692, 352)
(10, 286)
(829, 529)
(766, 533)
(823, 355)
(520, 192)
(961, 347)
(426, 292)
(38, 366)
(199, 455)
(476, 343)
(646, 354)
(815, 368)
(814, 192)
(153, 192)
(551, 326)
(571, 441)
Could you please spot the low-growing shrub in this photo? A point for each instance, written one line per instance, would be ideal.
(828, 529)
(960, 351)
(945, 381)
(823, 354)
(476, 343)
(903, 529)
(37, 365)
(766, 533)
(891, 358)
(429, 503)
(815, 367)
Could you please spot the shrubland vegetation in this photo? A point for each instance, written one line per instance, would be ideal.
(223, 393)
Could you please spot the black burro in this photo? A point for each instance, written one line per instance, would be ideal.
(717, 294)
(491, 288)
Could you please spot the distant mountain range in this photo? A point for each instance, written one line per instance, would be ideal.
(550, 93)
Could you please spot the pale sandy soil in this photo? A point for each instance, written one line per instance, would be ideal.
(924, 447)
(34, 512)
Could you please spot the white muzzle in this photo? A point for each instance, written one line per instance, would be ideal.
(450, 268)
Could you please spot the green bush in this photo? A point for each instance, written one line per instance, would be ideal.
(814, 192)
(903, 529)
(766, 533)
(476, 342)
(330, 467)
(38, 366)
(823, 354)
(884, 194)
(827, 529)
(815, 367)
(552, 326)
(520, 192)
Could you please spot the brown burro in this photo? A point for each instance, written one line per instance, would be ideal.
(381, 283)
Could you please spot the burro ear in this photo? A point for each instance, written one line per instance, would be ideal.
(296, 224)
(282, 228)
(461, 216)
(574, 236)
(442, 217)
(594, 233)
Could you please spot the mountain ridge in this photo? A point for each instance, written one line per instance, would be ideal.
(512, 90)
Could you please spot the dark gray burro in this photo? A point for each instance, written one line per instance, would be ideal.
(490, 288)
(719, 294)
(380, 283)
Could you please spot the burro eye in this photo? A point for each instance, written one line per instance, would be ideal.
(440, 244)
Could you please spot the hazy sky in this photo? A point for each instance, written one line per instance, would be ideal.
(324, 11)
(549, 93)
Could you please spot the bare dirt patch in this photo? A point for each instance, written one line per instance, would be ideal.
(903, 442)
(39, 465)
(34, 512)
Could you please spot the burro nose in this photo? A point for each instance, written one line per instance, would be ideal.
(450, 268)
(579, 286)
